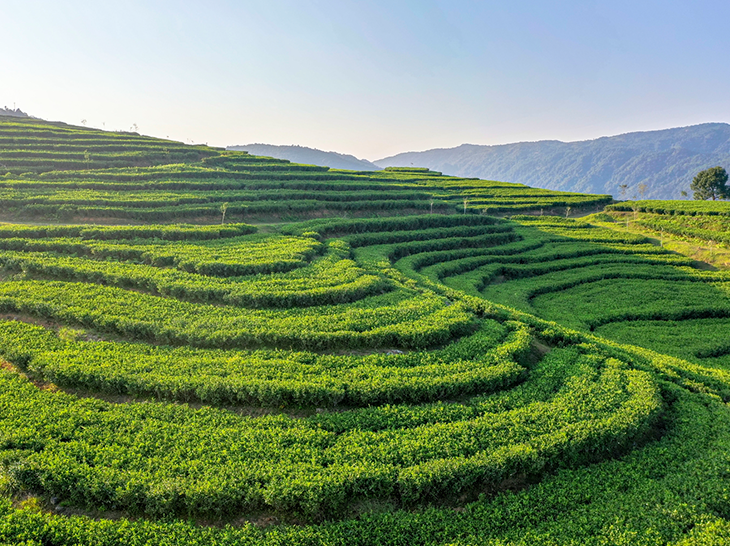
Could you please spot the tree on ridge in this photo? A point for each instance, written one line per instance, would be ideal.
(710, 184)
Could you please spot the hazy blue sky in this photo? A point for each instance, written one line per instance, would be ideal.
(371, 78)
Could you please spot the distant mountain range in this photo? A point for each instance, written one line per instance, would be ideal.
(308, 156)
(666, 161)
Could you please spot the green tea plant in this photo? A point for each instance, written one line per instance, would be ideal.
(355, 359)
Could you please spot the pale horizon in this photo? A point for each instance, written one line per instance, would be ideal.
(368, 79)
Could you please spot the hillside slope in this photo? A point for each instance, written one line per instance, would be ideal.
(664, 160)
(381, 372)
(61, 172)
(308, 156)
(29, 145)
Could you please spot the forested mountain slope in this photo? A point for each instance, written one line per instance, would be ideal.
(666, 161)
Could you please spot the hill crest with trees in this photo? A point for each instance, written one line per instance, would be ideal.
(13, 112)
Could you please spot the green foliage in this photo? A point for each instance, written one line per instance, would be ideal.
(690, 208)
(78, 173)
(710, 184)
(267, 378)
(702, 228)
(28, 145)
(369, 379)
(210, 462)
(413, 322)
(332, 279)
(173, 232)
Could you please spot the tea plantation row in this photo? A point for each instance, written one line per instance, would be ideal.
(337, 357)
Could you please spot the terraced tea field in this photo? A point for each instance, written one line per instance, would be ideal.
(152, 181)
(346, 358)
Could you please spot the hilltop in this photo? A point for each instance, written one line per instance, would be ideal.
(664, 160)
(14, 113)
(308, 156)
